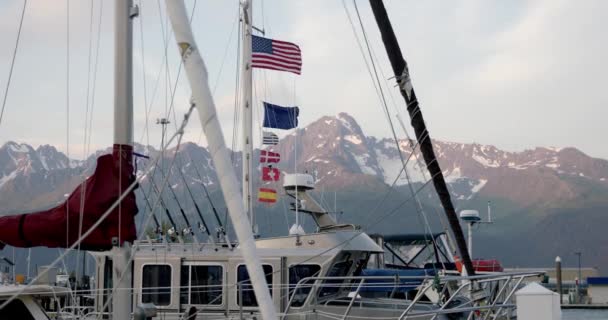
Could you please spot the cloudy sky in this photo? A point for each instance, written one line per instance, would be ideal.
(515, 74)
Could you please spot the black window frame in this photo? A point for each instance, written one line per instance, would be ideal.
(158, 290)
(305, 287)
(246, 286)
(188, 284)
(341, 267)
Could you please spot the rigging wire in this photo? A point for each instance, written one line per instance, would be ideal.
(164, 64)
(67, 100)
(87, 130)
(94, 88)
(10, 72)
(143, 69)
(392, 127)
(411, 143)
(380, 92)
(423, 169)
(237, 94)
(171, 107)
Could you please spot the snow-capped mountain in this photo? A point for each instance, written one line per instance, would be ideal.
(534, 192)
(340, 155)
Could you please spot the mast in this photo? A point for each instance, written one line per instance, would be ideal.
(401, 72)
(198, 79)
(247, 119)
(123, 140)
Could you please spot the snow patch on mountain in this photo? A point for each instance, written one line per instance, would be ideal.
(345, 122)
(362, 162)
(480, 184)
(18, 148)
(392, 166)
(8, 178)
(486, 162)
(353, 139)
(454, 175)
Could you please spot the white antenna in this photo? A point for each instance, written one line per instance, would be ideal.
(489, 212)
(471, 217)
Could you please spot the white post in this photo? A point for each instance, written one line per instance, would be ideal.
(197, 76)
(29, 258)
(123, 135)
(247, 125)
(121, 297)
(14, 279)
(535, 302)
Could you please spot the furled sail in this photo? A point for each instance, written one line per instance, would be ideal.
(59, 227)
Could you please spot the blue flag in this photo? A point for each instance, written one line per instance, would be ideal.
(278, 117)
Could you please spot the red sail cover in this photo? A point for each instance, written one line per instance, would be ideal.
(101, 190)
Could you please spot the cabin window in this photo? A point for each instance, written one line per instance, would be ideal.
(202, 284)
(340, 268)
(156, 284)
(249, 299)
(297, 273)
(15, 310)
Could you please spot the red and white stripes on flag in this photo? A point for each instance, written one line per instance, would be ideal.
(276, 55)
(269, 157)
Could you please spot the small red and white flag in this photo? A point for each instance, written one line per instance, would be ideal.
(270, 174)
(269, 157)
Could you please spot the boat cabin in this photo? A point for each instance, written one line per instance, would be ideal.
(177, 276)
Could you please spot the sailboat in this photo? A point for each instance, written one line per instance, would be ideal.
(314, 275)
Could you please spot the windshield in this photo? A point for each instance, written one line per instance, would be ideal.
(345, 264)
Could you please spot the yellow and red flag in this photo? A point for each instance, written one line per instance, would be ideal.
(267, 195)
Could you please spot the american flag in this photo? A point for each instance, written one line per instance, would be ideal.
(275, 55)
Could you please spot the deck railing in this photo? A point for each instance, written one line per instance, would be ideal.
(488, 295)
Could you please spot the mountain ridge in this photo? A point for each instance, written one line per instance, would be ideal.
(339, 154)
(553, 197)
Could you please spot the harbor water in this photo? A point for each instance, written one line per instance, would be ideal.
(584, 314)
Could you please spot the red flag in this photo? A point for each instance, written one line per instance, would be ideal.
(269, 156)
(270, 174)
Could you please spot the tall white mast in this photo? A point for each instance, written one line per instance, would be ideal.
(247, 125)
(123, 136)
(123, 73)
(198, 78)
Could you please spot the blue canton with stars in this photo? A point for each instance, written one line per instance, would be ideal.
(261, 45)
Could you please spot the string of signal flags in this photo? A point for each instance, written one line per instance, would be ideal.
(281, 56)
